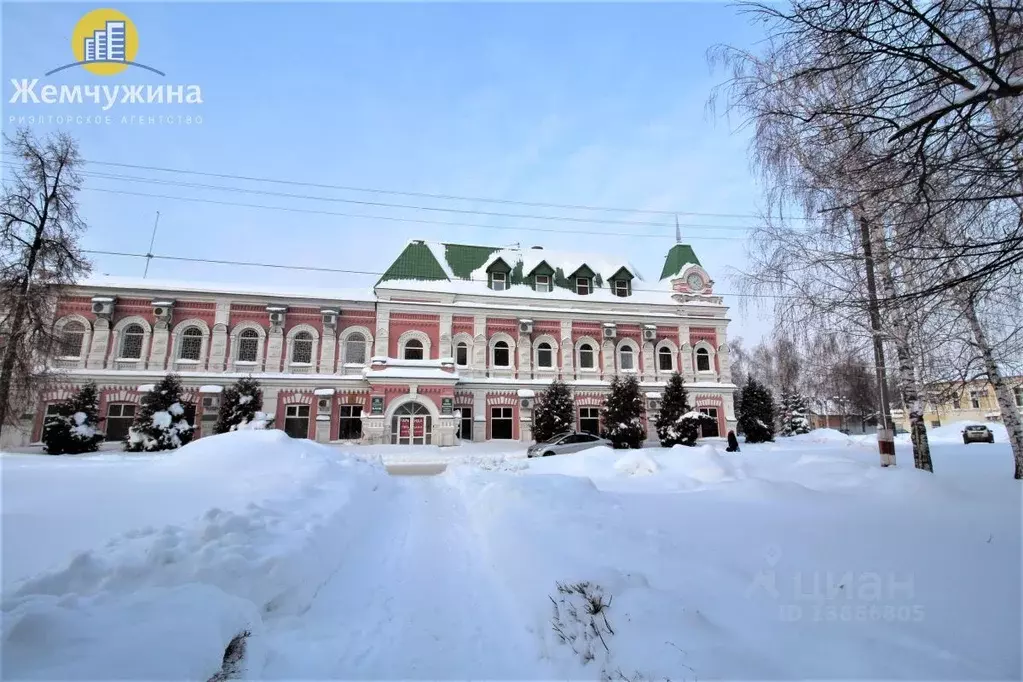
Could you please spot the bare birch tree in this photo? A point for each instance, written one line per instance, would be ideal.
(39, 232)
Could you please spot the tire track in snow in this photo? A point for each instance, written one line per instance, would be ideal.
(415, 599)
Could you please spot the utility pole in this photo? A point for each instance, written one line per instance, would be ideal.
(886, 430)
(152, 240)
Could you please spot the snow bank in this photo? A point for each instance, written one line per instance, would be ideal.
(225, 571)
(953, 433)
(636, 463)
(820, 436)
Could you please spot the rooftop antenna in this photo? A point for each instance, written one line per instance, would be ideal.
(678, 231)
(152, 240)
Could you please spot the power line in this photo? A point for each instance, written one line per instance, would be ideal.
(286, 195)
(345, 271)
(423, 221)
(424, 195)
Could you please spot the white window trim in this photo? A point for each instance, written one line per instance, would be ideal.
(414, 334)
(501, 277)
(468, 353)
(493, 355)
(595, 349)
(620, 285)
(585, 281)
(554, 355)
(546, 284)
(236, 337)
(634, 351)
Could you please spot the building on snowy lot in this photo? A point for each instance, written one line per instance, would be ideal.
(450, 344)
(953, 401)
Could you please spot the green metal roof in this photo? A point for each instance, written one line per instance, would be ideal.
(463, 258)
(415, 262)
(679, 256)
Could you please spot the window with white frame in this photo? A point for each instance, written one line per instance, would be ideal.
(71, 339)
(582, 286)
(665, 359)
(702, 360)
(587, 358)
(627, 358)
(413, 349)
(956, 403)
(462, 354)
(544, 355)
(248, 345)
(620, 287)
(302, 349)
(131, 342)
(355, 349)
(191, 344)
(502, 354)
(1019, 395)
(543, 283)
(498, 281)
(975, 399)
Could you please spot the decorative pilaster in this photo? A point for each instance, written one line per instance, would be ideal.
(649, 360)
(445, 350)
(607, 357)
(525, 351)
(328, 349)
(218, 340)
(159, 346)
(567, 351)
(382, 339)
(274, 349)
(100, 342)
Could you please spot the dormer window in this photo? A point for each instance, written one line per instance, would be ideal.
(543, 283)
(582, 286)
(620, 287)
(498, 281)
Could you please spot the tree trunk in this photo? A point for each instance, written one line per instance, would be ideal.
(1006, 401)
(7, 366)
(908, 385)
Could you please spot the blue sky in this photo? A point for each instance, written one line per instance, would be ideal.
(597, 104)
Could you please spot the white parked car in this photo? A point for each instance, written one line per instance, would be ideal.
(563, 443)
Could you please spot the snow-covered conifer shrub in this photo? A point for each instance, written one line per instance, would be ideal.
(622, 414)
(553, 412)
(75, 427)
(160, 423)
(240, 407)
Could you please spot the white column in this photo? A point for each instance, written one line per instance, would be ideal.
(445, 350)
(328, 345)
(274, 349)
(567, 351)
(159, 347)
(218, 336)
(381, 340)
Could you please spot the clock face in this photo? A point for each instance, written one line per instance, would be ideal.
(694, 281)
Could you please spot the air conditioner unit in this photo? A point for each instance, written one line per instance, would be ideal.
(210, 402)
(525, 326)
(276, 318)
(323, 406)
(650, 334)
(103, 306)
(526, 402)
(610, 331)
(162, 310)
(329, 318)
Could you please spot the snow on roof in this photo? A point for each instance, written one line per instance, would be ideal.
(568, 261)
(211, 389)
(410, 373)
(145, 388)
(653, 394)
(526, 393)
(650, 293)
(323, 391)
(268, 290)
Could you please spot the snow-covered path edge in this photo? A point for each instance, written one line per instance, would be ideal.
(183, 592)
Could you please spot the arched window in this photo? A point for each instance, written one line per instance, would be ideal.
(71, 339)
(302, 348)
(544, 355)
(248, 345)
(502, 357)
(131, 342)
(355, 349)
(626, 358)
(586, 356)
(702, 360)
(462, 354)
(413, 349)
(191, 344)
(664, 359)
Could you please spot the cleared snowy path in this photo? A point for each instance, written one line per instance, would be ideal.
(417, 600)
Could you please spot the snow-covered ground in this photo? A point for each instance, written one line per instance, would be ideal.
(801, 558)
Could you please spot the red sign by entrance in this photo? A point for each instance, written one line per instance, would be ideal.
(418, 427)
(403, 427)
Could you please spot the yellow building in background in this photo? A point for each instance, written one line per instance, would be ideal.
(955, 401)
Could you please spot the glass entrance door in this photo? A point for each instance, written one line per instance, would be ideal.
(411, 425)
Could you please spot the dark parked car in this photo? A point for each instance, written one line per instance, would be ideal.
(977, 433)
(564, 443)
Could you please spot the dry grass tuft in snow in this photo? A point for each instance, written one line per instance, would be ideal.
(580, 618)
(233, 655)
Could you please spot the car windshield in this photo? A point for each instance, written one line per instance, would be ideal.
(976, 428)
(556, 439)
